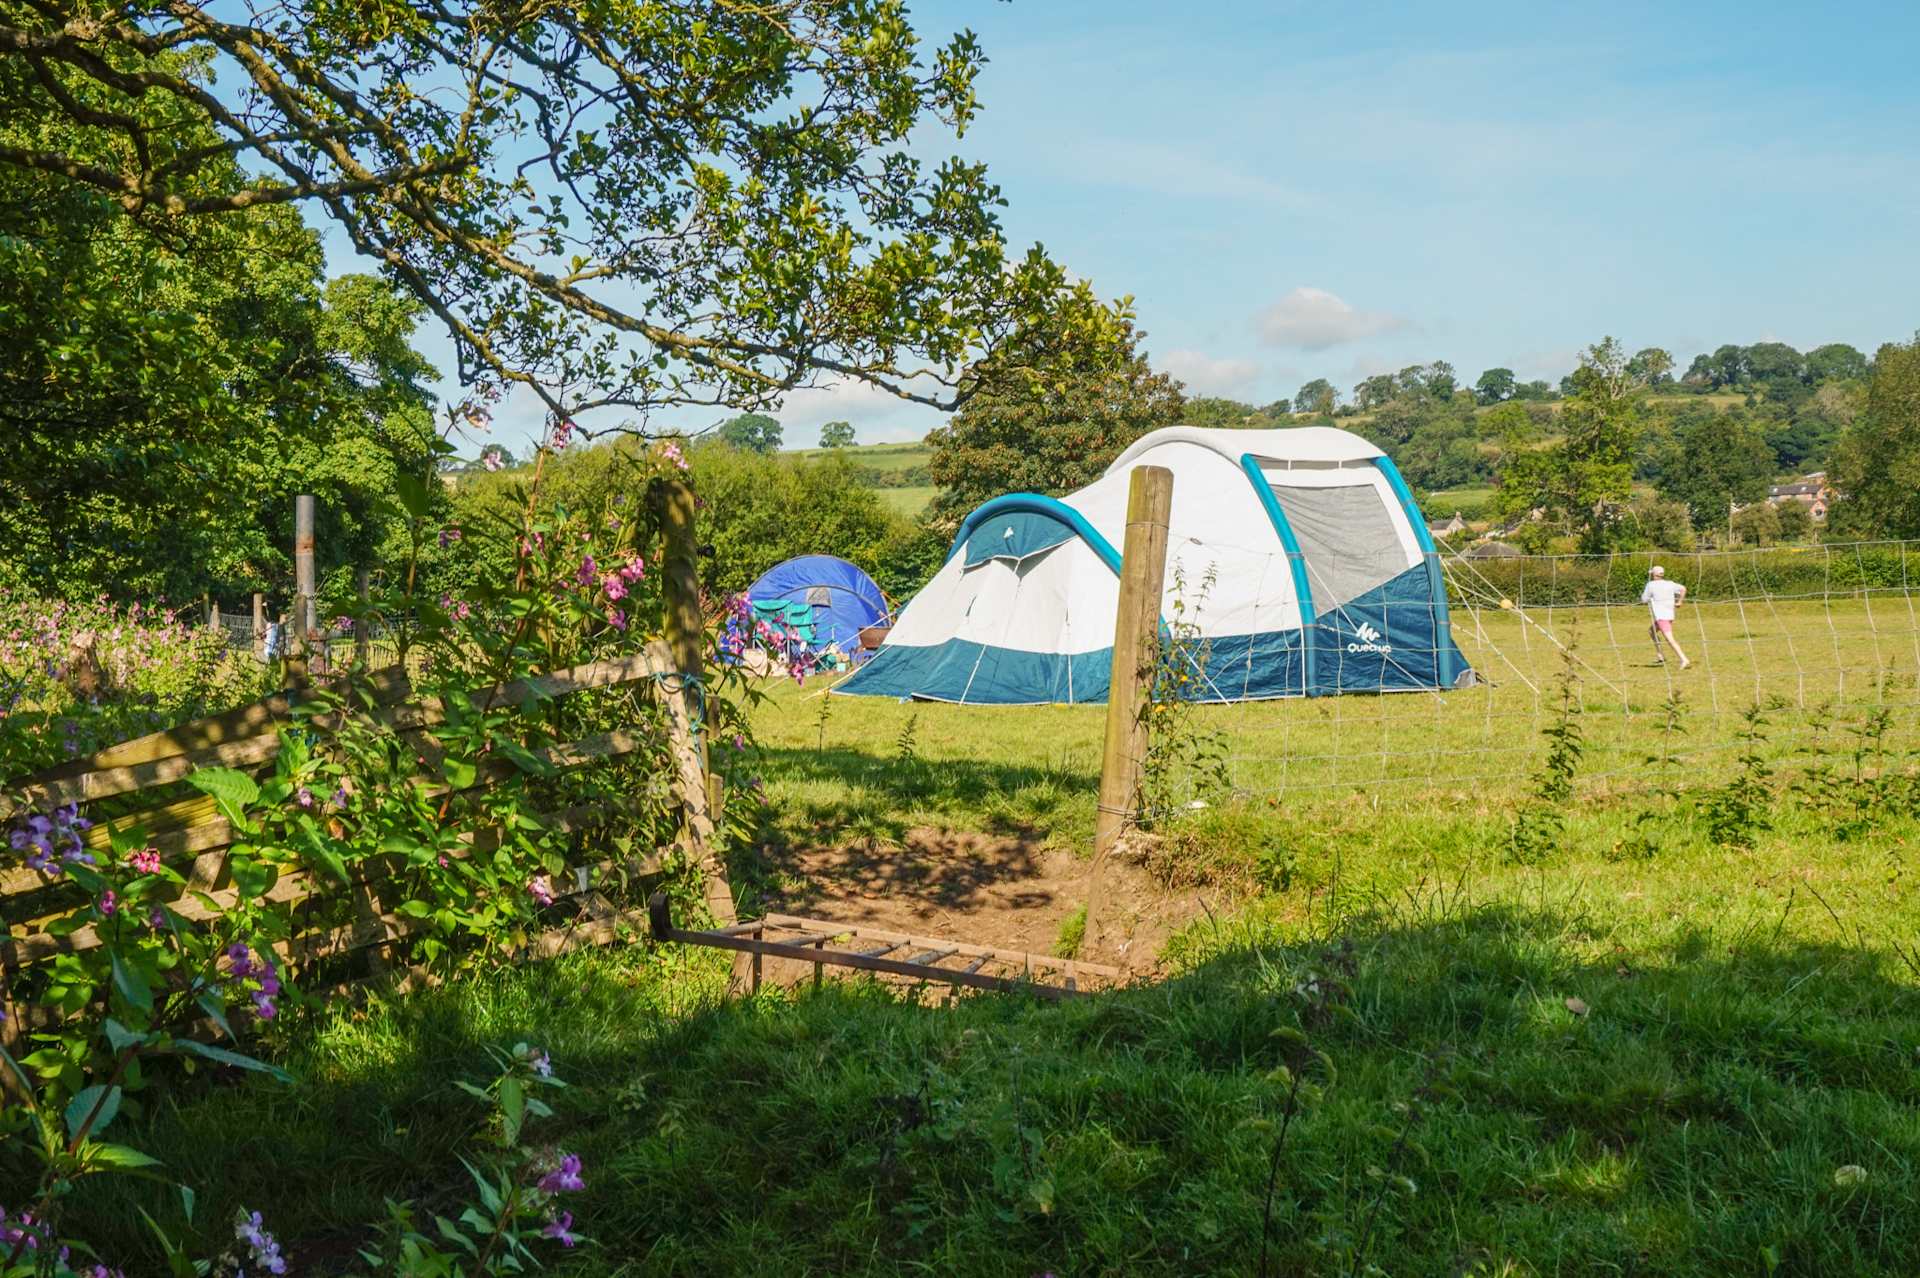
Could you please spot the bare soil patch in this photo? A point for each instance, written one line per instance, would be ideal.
(1005, 891)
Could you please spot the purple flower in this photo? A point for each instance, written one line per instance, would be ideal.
(561, 1227)
(339, 799)
(588, 571)
(562, 434)
(542, 1064)
(157, 918)
(241, 960)
(109, 902)
(540, 888)
(263, 1008)
(617, 618)
(563, 1179)
(491, 459)
(615, 588)
(264, 1246)
(305, 797)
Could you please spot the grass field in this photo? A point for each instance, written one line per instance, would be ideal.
(908, 501)
(1641, 1049)
(1818, 669)
(1702, 1064)
(898, 456)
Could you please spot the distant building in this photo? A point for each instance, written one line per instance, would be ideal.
(1448, 529)
(1811, 491)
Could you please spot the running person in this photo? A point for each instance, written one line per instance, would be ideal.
(1663, 598)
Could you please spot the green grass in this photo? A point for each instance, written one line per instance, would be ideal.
(1643, 1053)
(1740, 1030)
(908, 501)
(897, 456)
(1001, 768)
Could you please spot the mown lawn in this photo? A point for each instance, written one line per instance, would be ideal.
(1679, 1038)
(1601, 1065)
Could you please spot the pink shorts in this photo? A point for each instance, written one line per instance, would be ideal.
(1664, 626)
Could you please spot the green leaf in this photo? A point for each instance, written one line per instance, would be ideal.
(121, 1157)
(329, 860)
(222, 1056)
(20, 1075)
(458, 772)
(119, 1037)
(253, 878)
(132, 985)
(513, 1104)
(524, 759)
(231, 789)
(412, 492)
(99, 1102)
(216, 1010)
(187, 1201)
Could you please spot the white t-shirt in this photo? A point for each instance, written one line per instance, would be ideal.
(1661, 595)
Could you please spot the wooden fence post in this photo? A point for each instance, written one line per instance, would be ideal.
(1143, 575)
(686, 704)
(259, 624)
(302, 619)
(361, 657)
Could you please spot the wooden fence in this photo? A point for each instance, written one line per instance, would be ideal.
(195, 839)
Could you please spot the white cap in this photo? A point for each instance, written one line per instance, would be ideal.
(1656, 571)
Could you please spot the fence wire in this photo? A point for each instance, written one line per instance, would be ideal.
(1825, 640)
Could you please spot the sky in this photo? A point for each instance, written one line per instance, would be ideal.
(1301, 190)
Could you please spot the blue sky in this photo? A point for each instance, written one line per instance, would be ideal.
(1293, 190)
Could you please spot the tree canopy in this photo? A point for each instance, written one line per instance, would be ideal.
(1053, 430)
(753, 432)
(693, 202)
(1876, 466)
(163, 397)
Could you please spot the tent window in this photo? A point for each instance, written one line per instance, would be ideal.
(1347, 538)
(820, 596)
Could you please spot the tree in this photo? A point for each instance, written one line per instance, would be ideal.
(1534, 391)
(1317, 396)
(1373, 392)
(751, 432)
(1835, 362)
(1495, 386)
(1052, 430)
(1663, 525)
(1717, 460)
(1277, 412)
(1796, 521)
(1876, 465)
(1584, 478)
(163, 397)
(1652, 366)
(836, 435)
(1758, 523)
(1208, 411)
(681, 203)
(1779, 369)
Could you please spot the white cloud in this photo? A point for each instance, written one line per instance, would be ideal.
(1314, 319)
(1205, 375)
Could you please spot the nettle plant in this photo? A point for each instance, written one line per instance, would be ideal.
(435, 809)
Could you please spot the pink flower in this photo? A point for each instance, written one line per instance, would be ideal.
(617, 618)
(109, 902)
(562, 434)
(540, 888)
(491, 459)
(588, 571)
(145, 861)
(636, 568)
(615, 588)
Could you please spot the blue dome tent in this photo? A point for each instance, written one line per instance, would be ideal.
(824, 599)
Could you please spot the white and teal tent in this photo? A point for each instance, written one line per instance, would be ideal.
(1299, 555)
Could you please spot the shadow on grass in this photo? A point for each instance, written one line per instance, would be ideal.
(1680, 1109)
(839, 795)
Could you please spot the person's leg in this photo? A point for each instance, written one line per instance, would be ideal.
(1653, 633)
(1666, 632)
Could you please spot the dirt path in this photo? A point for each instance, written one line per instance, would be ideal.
(983, 889)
